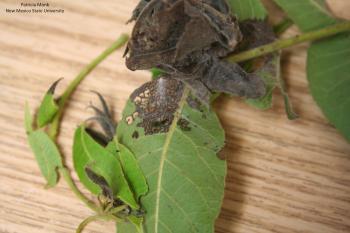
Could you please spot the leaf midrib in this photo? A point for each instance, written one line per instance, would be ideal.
(50, 172)
(168, 138)
(47, 163)
(321, 8)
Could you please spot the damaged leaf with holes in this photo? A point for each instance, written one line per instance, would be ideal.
(178, 139)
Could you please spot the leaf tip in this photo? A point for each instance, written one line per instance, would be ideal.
(52, 89)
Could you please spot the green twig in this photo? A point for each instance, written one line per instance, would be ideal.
(54, 127)
(285, 43)
(105, 216)
(66, 175)
(88, 220)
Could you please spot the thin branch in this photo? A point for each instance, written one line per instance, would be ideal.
(67, 177)
(54, 127)
(88, 220)
(285, 43)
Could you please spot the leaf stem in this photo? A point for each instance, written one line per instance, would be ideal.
(67, 177)
(105, 216)
(84, 223)
(54, 127)
(285, 43)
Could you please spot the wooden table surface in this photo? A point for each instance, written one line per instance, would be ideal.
(283, 176)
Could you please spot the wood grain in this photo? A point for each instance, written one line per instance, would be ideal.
(284, 176)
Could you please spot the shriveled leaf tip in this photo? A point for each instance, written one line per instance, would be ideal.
(48, 107)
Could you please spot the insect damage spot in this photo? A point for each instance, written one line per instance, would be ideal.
(194, 103)
(135, 134)
(156, 103)
(184, 124)
(129, 120)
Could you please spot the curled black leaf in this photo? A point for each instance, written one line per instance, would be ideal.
(104, 118)
(101, 182)
(99, 137)
(52, 88)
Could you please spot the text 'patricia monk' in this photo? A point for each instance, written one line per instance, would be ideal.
(39, 7)
(38, 4)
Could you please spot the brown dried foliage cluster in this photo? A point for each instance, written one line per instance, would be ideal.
(188, 40)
